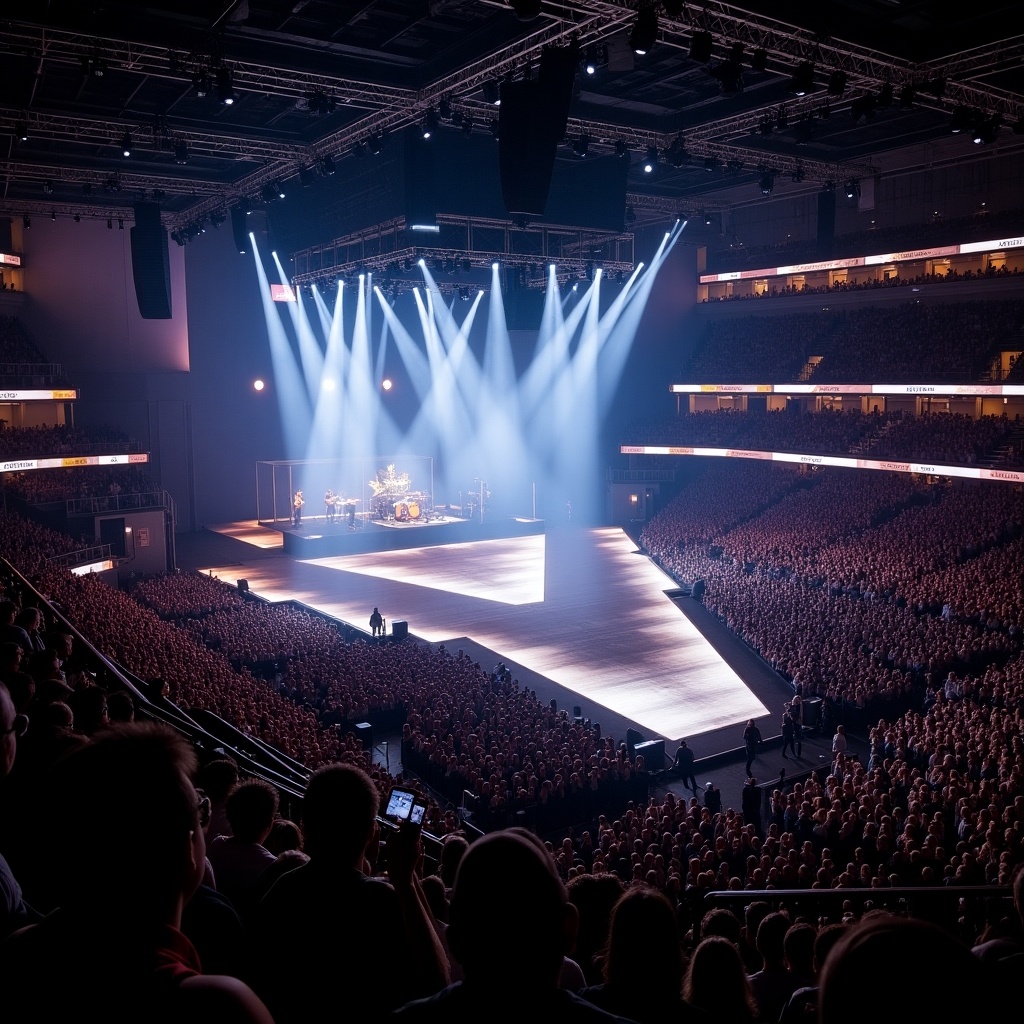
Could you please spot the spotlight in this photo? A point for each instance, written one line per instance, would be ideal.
(590, 61)
(700, 47)
(22, 131)
(707, 220)
(120, 223)
(26, 222)
(581, 145)
(651, 160)
(802, 80)
(126, 144)
(99, 67)
(201, 84)
(767, 183)
(217, 218)
(852, 188)
(375, 143)
(278, 187)
(327, 165)
(710, 164)
(77, 218)
(837, 83)
(48, 188)
(53, 215)
(492, 92)
(645, 30)
(225, 87)
(181, 152)
(429, 123)
(386, 384)
(621, 149)
(258, 384)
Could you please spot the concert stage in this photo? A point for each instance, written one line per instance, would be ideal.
(318, 537)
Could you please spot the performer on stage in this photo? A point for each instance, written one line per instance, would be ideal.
(351, 514)
(329, 501)
(377, 623)
(297, 502)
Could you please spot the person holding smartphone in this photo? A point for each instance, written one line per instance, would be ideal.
(330, 933)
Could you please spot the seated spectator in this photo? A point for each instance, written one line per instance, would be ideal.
(125, 850)
(239, 860)
(643, 967)
(717, 984)
(353, 917)
(938, 979)
(510, 926)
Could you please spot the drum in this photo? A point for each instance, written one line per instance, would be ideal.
(402, 510)
(414, 510)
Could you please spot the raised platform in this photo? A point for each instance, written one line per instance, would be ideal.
(319, 538)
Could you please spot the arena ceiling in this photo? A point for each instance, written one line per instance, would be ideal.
(315, 82)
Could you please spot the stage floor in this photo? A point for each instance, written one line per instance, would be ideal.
(581, 607)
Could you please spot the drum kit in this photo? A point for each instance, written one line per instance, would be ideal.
(412, 507)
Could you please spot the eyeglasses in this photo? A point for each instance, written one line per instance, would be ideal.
(19, 727)
(205, 809)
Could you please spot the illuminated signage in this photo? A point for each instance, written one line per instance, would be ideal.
(22, 465)
(993, 245)
(1001, 390)
(889, 466)
(9, 259)
(38, 396)
(282, 293)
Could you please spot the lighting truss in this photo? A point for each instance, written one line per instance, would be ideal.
(385, 248)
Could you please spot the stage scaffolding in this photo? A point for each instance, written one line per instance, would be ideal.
(278, 480)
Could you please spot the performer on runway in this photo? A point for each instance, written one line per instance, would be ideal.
(297, 502)
(377, 623)
(684, 764)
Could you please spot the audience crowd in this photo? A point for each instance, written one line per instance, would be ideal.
(909, 343)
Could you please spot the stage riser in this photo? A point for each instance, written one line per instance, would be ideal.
(359, 542)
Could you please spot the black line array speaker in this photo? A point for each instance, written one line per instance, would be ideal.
(826, 224)
(400, 629)
(151, 263)
(531, 123)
